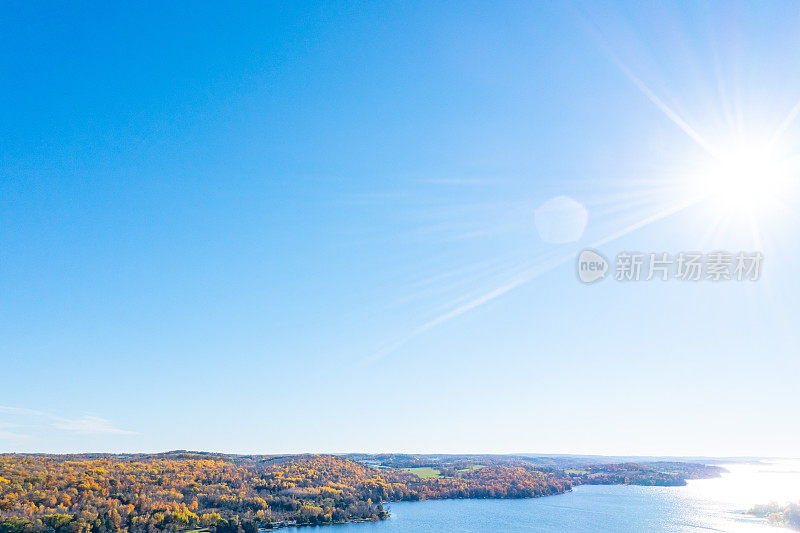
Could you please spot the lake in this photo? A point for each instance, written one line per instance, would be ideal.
(702, 505)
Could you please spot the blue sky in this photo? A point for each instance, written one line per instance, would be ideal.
(311, 228)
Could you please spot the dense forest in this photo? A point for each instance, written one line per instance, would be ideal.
(177, 491)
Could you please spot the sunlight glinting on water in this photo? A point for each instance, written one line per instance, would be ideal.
(721, 503)
(718, 504)
(750, 484)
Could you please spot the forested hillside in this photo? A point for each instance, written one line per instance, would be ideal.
(228, 494)
(177, 491)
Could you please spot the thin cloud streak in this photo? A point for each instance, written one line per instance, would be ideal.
(91, 425)
(10, 435)
(87, 425)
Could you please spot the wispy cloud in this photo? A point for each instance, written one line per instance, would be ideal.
(91, 425)
(10, 435)
(86, 425)
(21, 411)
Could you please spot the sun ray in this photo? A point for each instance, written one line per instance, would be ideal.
(664, 108)
(715, 228)
(730, 176)
(549, 264)
(786, 123)
(754, 230)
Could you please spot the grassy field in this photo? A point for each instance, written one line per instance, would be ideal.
(424, 472)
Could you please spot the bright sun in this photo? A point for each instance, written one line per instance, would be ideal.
(746, 178)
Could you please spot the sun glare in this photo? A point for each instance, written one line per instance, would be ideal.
(746, 178)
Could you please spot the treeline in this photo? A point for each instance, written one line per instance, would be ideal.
(626, 474)
(589, 471)
(664, 474)
(779, 515)
(177, 491)
(226, 494)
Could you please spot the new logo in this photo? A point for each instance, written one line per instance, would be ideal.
(591, 266)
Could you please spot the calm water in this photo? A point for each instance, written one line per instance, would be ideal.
(703, 505)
